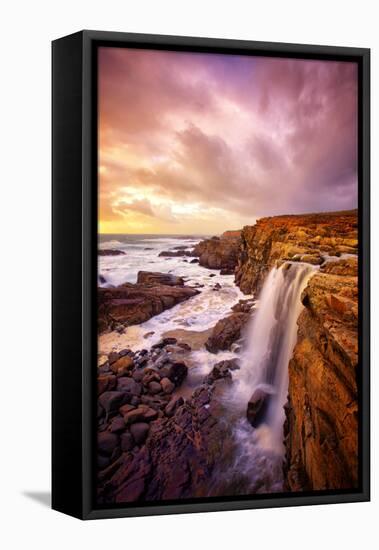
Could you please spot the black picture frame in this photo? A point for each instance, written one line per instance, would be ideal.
(74, 270)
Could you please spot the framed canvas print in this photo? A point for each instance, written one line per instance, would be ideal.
(210, 274)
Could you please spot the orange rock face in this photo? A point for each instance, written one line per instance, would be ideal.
(321, 429)
(306, 238)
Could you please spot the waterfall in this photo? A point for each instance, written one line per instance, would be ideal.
(268, 343)
(270, 340)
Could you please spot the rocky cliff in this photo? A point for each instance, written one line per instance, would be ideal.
(321, 428)
(306, 238)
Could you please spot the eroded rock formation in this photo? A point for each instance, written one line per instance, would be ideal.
(321, 429)
(219, 252)
(307, 238)
(131, 304)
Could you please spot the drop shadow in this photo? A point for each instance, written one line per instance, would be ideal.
(42, 497)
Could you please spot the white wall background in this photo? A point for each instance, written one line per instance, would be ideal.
(27, 29)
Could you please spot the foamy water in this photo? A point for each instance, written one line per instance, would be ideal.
(269, 340)
(198, 313)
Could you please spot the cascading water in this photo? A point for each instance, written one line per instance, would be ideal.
(263, 377)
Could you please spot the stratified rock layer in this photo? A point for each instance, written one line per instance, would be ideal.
(306, 238)
(219, 252)
(321, 429)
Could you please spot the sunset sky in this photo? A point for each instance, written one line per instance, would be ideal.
(200, 143)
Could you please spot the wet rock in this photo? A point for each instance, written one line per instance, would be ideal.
(154, 387)
(164, 342)
(192, 338)
(256, 407)
(222, 370)
(141, 413)
(110, 252)
(138, 375)
(156, 403)
(176, 372)
(226, 331)
(131, 304)
(139, 431)
(218, 252)
(126, 351)
(112, 357)
(126, 442)
(153, 278)
(106, 442)
(243, 306)
(129, 385)
(175, 253)
(105, 382)
(135, 401)
(126, 408)
(102, 461)
(184, 346)
(173, 405)
(111, 401)
(167, 386)
(194, 261)
(117, 424)
(122, 365)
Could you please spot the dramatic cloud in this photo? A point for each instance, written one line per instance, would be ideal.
(202, 142)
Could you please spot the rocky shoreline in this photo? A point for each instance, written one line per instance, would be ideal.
(153, 444)
(156, 442)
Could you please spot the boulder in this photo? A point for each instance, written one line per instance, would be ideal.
(176, 372)
(222, 370)
(129, 385)
(154, 387)
(141, 413)
(117, 424)
(106, 442)
(122, 365)
(105, 382)
(226, 332)
(257, 407)
(126, 442)
(167, 386)
(111, 401)
(139, 431)
(175, 253)
(153, 278)
(173, 405)
(110, 252)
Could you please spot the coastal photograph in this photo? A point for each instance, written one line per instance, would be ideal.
(227, 276)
